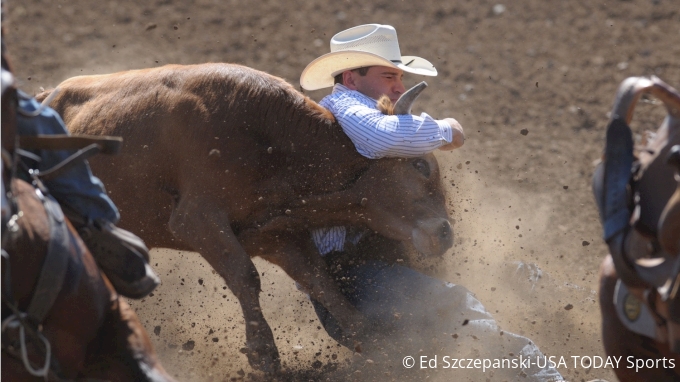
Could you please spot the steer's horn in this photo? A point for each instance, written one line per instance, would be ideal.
(404, 103)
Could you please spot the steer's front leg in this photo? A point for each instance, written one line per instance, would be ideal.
(294, 253)
(199, 222)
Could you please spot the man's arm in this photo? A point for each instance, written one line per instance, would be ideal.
(377, 135)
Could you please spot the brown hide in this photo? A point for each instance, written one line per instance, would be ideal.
(232, 157)
(86, 315)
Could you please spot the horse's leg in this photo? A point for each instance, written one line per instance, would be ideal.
(304, 265)
(123, 350)
(13, 370)
(620, 342)
(198, 223)
(76, 314)
(138, 345)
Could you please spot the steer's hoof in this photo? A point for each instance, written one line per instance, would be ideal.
(266, 360)
(356, 337)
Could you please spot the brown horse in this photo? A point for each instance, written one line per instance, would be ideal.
(61, 318)
(639, 280)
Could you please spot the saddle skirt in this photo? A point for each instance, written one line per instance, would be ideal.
(60, 246)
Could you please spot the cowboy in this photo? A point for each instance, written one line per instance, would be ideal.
(120, 254)
(364, 64)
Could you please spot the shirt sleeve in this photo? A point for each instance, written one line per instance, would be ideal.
(376, 135)
(330, 239)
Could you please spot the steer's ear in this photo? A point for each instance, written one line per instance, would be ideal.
(275, 224)
(346, 206)
(334, 201)
(385, 105)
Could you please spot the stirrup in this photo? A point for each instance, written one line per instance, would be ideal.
(122, 256)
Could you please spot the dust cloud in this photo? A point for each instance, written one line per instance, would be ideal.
(503, 254)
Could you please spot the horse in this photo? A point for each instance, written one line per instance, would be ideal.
(638, 194)
(61, 317)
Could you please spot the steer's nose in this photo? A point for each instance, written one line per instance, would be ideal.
(433, 236)
(445, 231)
(445, 234)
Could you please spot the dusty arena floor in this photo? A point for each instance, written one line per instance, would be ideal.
(531, 81)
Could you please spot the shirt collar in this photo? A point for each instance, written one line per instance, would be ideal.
(337, 88)
(340, 88)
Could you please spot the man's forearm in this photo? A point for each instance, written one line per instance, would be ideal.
(457, 135)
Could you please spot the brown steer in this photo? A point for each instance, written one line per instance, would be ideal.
(237, 163)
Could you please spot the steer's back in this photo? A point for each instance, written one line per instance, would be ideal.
(124, 102)
(186, 129)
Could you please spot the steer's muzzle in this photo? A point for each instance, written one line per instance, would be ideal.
(433, 236)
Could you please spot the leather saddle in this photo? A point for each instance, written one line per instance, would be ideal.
(638, 197)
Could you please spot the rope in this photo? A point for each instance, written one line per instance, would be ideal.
(14, 321)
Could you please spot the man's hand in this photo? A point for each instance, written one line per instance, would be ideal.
(457, 135)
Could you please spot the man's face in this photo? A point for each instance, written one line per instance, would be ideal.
(378, 80)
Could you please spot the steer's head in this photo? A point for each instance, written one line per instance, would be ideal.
(410, 199)
(403, 199)
(399, 198)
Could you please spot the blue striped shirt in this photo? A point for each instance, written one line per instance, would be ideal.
(376, 135)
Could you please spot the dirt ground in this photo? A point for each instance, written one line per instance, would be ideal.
(521, 201)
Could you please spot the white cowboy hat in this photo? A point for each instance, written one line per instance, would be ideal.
(364, 45)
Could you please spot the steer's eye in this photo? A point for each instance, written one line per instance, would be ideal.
(422, 166)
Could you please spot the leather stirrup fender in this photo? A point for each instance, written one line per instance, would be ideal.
(53, 271)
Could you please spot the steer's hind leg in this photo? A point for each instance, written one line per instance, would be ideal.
(198, 222)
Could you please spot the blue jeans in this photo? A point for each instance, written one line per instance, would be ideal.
(76, 189)
(408, 306)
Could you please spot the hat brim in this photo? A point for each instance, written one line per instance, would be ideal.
(320, 73)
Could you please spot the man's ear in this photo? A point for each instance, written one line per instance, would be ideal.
(348, 79)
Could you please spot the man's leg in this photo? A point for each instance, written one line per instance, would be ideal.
(122, 256)
(426, 313)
